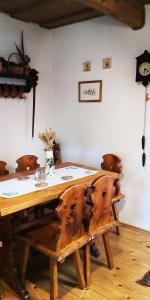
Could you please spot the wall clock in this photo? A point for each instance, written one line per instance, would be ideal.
(143, 76)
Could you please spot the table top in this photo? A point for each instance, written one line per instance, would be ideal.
(18, 203)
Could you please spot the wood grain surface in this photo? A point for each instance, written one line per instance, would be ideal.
(15, 204)
(131, 259)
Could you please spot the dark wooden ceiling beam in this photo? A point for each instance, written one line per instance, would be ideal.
(33, 12)
(45, 10)
(130, 12)
(55, 13)
(13, 6)
(67, 20)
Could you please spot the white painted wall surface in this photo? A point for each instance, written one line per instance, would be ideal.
(89, 130)
(86, 131)
(16, 115)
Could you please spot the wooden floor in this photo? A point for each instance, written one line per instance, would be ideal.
(131, 251)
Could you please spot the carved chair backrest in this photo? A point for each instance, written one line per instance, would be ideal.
(3, 171)
(26, 163)
(69, 213)
(113, 163)
(101, 202)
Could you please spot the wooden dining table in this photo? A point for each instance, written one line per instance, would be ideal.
(9, 207)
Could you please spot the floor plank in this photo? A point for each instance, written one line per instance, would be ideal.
(131, 252)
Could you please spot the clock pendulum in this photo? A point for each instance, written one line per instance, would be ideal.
(144, 129)
(143, 75)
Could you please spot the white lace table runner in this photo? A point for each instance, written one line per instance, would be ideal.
(15, 187)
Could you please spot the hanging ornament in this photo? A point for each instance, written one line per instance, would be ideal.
(144, 129)
(143, 75)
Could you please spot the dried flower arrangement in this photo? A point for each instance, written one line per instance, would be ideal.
(47, 138)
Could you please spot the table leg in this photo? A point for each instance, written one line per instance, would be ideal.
(8, 270)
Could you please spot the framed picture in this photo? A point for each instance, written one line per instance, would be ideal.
(90, 91)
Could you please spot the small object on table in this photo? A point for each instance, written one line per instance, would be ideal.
(66, 177)
(41, 184)
(9, 194)
(40, 176)
(22, 178)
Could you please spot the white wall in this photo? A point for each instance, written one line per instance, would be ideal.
(16, 115)
(89, 130)
(86, 131)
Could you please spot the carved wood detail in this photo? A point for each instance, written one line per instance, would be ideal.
(27, 163)
(61, 237)
(113, 163)
(3, 170)
(101, 202)
(8, 269)
(66, 225)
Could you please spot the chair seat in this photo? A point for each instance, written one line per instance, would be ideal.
(42, 241)
(118, 197)
(102, 229)
(33, 223)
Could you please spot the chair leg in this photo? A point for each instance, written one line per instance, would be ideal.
(105, 237)
(79, 269)
(24, 261)
(116, 216)
(53, 279)
(87, 269)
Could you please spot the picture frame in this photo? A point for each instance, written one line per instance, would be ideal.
(90, 91)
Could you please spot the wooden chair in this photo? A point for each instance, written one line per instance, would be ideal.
(62, 236)
(100, 218)
(27, 163)
(113, 163)
(3, 171)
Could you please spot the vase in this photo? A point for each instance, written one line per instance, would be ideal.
(49, 163)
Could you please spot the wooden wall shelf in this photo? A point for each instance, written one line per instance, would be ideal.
(17, 79)
(16, 85)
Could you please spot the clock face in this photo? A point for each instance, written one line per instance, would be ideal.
(144, 69)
